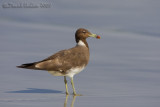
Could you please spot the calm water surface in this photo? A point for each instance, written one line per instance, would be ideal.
(124, 68)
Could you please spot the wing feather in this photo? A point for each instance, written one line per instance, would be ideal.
(64, 60)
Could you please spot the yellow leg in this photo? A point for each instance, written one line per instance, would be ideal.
(65, 81)
(74, 91)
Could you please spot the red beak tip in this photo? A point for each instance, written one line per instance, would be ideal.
(98, 37)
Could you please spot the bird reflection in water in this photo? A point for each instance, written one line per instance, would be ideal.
(73, 100)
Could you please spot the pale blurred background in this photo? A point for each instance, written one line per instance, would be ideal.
(124, 68)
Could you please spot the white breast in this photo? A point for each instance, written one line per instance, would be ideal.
(73, 71)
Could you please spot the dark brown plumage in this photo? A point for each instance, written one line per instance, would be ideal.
(66, 62)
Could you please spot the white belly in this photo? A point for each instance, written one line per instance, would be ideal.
(70, 73)
(56, 73)
(73, 71)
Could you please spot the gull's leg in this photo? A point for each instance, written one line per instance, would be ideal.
(65, 81)
(74, 91)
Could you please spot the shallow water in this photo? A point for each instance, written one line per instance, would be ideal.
(124, 64)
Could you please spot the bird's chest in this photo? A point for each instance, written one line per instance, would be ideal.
(75, 70)
(81, 56)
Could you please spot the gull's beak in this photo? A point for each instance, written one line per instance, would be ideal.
(95, 36)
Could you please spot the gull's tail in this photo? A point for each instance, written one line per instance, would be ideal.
(28, 66)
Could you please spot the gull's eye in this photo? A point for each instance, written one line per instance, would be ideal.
(84, 31)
